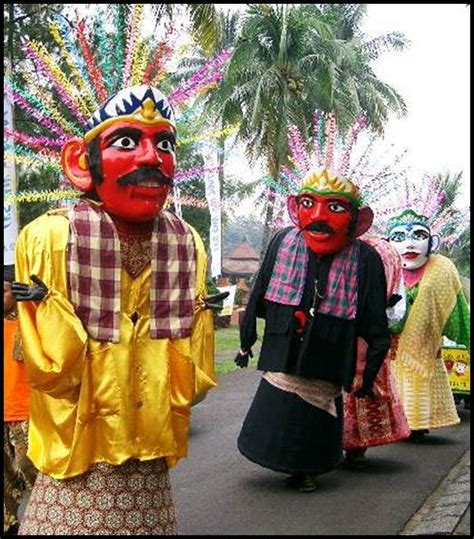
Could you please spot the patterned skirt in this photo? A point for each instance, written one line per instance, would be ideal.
(379, 420)
(19, 474)
(428, 401)
(131, 499)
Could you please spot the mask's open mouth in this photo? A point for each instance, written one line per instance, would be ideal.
(319, 235)
(150, 183)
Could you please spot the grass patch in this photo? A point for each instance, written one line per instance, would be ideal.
(228, 365)
(227, 344)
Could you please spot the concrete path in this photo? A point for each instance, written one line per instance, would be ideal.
(218, 492)
(447, 510)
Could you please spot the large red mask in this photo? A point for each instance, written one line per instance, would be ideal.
(136, 163)
(325, 221)
(329, 211)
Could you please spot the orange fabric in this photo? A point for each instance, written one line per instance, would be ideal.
(16, 390)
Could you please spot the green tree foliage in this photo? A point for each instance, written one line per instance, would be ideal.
(354, 87)
(213, 115)
(26, 20)
(289, 61)
(46, 179)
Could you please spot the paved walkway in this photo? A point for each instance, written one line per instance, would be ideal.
(447, 510)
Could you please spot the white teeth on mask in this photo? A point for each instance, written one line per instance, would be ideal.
(148, 183)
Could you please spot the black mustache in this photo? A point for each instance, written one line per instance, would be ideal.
(320, 227)
(145, 173)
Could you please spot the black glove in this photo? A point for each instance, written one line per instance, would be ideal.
(23, 292)
(363, 392)
(242, 360)
(214, 302)
(393, 300)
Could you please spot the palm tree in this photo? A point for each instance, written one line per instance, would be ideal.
(291, 60)
(356, 88)
(215, 32)
(204, 20)
(265, 83)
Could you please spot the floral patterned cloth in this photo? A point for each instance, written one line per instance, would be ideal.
(377, 421)
(133, 498)
(19, 474)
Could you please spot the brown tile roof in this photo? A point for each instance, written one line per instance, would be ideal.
(239, 267)
(244, 252)
(242, 261)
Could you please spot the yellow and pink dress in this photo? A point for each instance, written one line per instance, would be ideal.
(437, 307)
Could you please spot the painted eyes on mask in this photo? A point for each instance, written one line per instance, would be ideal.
(307, 202)
(165, 146)
(418, 235)
(128, 143)
(333, 206)
(397, 236)
(124, 143)
(336, 207)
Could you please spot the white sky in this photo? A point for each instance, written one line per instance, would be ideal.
(433, 76)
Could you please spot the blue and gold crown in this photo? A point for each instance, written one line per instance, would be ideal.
(143, 103)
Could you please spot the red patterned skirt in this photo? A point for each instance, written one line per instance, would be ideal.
(377, 421)
(131, 499)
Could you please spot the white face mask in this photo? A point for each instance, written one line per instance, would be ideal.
(412, 242)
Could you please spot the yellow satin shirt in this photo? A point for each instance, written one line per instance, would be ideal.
(105, 402)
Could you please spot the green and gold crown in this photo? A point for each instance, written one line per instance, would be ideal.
(407, 217)
(324, 182)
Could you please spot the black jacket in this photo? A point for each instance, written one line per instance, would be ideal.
(328, 348)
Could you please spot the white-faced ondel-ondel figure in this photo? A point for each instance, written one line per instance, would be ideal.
(437, 307)
(319, 288)
(117, 339)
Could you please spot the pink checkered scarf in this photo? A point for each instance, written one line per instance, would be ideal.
(289, 276)
(94, 268)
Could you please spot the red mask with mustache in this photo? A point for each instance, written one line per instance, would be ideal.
(325, 221)
(127, 147)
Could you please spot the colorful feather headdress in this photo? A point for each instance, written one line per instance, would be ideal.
(383, 182)
(81, 87)
(420, 203)
(344, 156)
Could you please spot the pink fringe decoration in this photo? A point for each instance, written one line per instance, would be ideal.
(298, 150)
(330, 140)
(44, 71)
(206, 75)
(34, 142)
(95, 74)
(34, 113)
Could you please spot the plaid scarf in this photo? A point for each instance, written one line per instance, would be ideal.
(94, 268)
(289, 271)
(289, 275)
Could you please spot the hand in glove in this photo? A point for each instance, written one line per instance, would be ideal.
(23, 292)
(214, 302)
(363, 392)
(393, 300)
(242, 358)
